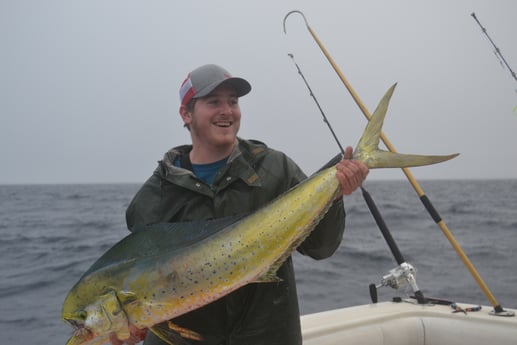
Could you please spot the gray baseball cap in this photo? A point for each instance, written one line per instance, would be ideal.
(203, 80)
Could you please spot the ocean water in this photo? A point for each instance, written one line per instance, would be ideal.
(50, 234)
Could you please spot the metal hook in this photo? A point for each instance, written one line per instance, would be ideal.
(295, 11)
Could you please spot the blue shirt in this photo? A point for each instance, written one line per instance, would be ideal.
(207, 172)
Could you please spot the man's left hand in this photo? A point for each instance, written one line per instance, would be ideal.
(350, 173)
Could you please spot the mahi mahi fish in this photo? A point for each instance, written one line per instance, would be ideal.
(166, 270)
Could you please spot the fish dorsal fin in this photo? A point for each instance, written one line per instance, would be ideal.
(154, 239)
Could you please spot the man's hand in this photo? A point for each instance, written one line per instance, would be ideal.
(350, 173)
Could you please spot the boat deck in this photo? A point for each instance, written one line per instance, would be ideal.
(391, 323)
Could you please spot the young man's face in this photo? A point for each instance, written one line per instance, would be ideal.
(215, 119)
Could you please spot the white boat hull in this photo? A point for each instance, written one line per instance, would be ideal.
(390, 323)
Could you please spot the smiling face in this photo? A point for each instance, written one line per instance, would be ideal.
(214, 122)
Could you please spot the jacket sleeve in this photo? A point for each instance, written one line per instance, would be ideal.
(142, 208)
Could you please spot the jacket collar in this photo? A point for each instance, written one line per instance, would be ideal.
(239, 166)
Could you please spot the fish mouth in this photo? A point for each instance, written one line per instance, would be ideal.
(75, 324)
(81, 334)
(79, 326)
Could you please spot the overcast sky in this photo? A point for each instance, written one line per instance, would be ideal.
(89, 88)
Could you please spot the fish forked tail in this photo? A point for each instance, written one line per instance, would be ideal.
(368, 151)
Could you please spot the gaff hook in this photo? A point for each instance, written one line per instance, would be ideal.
(354, 95)
(295, 11)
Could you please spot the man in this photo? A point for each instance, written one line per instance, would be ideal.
(222, 175)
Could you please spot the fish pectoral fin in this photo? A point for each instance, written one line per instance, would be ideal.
(174, 334)
(184, 332)
(126, 297)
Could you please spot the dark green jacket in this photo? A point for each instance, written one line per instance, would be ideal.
(263, 313)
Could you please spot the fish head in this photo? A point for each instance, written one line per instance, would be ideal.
(96, 321)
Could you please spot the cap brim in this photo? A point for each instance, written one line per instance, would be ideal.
(241, 86)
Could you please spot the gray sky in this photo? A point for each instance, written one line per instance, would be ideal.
(89, 88)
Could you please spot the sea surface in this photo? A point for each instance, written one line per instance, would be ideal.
(50, 234)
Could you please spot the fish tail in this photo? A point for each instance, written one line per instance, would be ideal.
(367, 150)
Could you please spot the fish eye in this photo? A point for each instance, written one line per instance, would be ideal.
(82, 315)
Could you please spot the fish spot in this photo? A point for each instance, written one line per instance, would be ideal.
(171, 276)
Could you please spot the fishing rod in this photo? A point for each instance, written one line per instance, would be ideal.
(318, 104)
(498, 309)
(497, 50)
(402, 275)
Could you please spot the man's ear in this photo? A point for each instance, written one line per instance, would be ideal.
(185, 115)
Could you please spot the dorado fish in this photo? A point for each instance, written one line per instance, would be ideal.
(167, 270)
